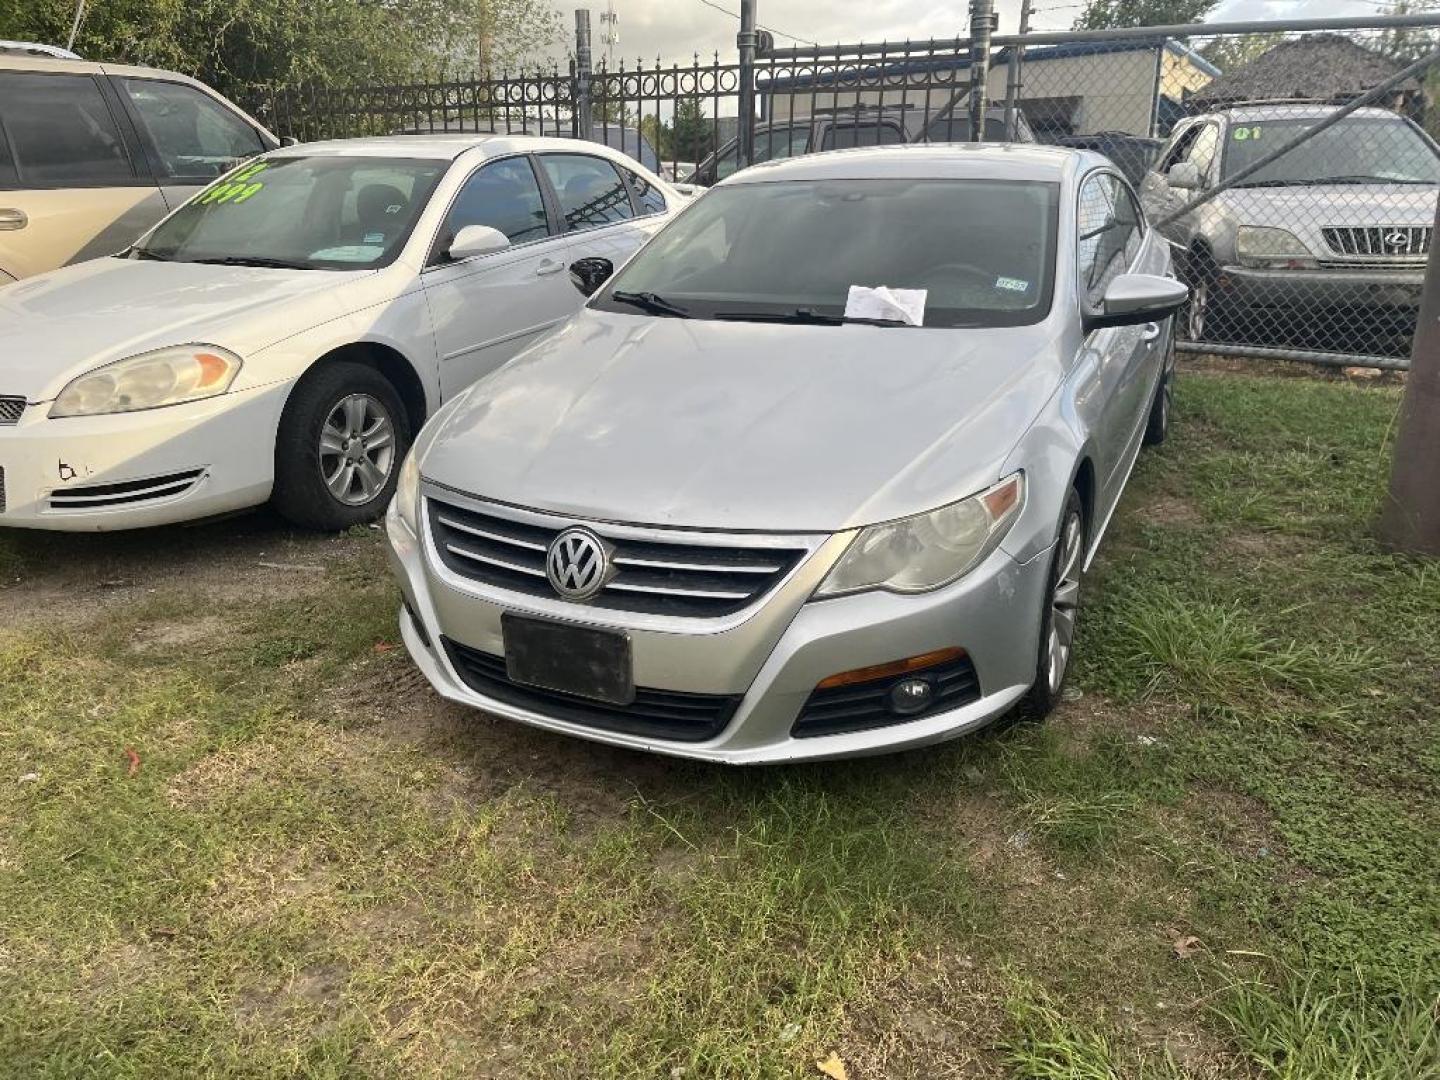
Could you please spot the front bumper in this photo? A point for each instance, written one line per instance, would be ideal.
(775, 657)
(91, 473)
(1317, 290)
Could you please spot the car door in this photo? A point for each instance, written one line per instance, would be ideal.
(1110, 231)
(651, 207)
(72, 183)
(1197, 145)
(593, 205)
(487, 308)
(189, 137)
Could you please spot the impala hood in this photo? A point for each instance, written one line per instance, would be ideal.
(59, 325)
(744, 426)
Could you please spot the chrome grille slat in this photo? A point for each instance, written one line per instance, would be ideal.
(1368, 242)
(656, 571)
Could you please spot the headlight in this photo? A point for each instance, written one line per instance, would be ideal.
(1254, 243)
(929, 550)
(149, 381)
(407, 493)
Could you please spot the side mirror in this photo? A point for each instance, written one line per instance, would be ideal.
(1132, 299)
(687, 189)
(590, 273)
(289, 140)
(1184, 175)
(475, 240)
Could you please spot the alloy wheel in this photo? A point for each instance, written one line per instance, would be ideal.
(1199, 300)
(1065, 603)
(357, 449)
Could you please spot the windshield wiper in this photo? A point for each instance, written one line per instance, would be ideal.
(651, 302)
(803, 316)
(252, 260)
(146, 253)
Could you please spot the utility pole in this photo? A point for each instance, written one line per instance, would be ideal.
(1012, 83)
(745, 41)
(982, 25)
(583, 122)
(1411, 520)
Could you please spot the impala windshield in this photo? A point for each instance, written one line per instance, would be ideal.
(984, 251)
(312, 213)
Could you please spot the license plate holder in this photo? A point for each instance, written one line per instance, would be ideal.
(583, 661)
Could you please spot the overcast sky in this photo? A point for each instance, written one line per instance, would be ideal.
(675, 29)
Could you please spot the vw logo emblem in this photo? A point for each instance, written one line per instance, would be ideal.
(577, 564)
(1397, 241)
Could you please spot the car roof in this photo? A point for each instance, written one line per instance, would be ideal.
(975, 161)
(448, 147)
(1246, 114)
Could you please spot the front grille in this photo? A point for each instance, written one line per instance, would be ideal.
(660, 714)
(682, 577)
(11, 409)
(2, 490)
(1380, 241)
(840, 709)
(125, 493)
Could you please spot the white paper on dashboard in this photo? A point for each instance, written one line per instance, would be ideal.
(881, 302)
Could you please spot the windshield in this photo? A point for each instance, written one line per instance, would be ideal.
(983, 249)
(314, 213)
(1354, 151)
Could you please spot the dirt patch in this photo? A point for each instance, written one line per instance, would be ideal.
(1263, 546)
(1170, 510)
(167, 635)
(319, 988)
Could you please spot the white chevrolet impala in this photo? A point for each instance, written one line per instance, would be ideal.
(283, 335)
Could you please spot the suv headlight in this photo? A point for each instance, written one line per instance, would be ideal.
(407, 492)
(150, 381)
(924, 552)
(1265, 246)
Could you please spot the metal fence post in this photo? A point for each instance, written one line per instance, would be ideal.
(580, 115)
(1411, 520)
(982, 25)
(745, 41)
(1012, 82)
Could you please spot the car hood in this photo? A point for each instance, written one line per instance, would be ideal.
(1300, 209)
(744, 426)
(59, 325)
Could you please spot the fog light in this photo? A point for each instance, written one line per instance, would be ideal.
(911, 696)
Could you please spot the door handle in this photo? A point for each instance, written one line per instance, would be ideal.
(548, 267)
(1151, 333)
(12, 220)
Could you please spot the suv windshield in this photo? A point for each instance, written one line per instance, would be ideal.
(983, 249)
(1354, 151)
(313, 213)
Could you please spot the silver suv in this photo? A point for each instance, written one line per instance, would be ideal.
(1337, 229)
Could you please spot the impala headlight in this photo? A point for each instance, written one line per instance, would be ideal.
(407, 493)
(150, 381)
(1257, 245)
(929, 550)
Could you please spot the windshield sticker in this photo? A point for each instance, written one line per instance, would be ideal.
(1012, 284)
(1244, 134)
(356, 253)
(374, 238)
(239, 187)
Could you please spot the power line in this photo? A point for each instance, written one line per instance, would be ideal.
(779, 33)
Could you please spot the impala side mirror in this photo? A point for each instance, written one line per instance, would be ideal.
(475, 240)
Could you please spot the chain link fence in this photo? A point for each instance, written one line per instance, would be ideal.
(1292, 164)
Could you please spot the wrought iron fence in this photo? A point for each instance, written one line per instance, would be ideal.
(1314, 253)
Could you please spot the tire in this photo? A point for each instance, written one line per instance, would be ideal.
(1062, 605)
(1205, 320)
(1157, 427)
(343, 435)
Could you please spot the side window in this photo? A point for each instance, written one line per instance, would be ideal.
(504, 195)
(647, 195)
(1109, 229)
(1202, 151)
(190, 135)
(848, 135)
(780, 143)
(62, 133)
(589, 189)
(1180, 148)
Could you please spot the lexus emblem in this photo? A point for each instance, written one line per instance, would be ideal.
(1397, 241)
(577, 564)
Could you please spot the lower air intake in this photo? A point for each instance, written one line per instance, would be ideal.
(125, 493)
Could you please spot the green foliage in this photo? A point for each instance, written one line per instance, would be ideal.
(1104, 14)
(236, 44)
(692, 133)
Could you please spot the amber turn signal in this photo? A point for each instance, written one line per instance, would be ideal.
(891, 670)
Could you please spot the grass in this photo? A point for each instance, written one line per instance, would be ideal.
(319, 870)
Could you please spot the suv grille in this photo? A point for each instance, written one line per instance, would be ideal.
(1380, 241)
(840, 709)
(664, 714)
(669, 577)
(10, 410)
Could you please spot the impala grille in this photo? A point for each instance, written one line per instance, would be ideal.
(680, 577)
(125, 493)
(1380, 241)
(10, 410)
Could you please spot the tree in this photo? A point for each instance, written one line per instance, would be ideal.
(238, 44)
(1105, 14)
(692, 133)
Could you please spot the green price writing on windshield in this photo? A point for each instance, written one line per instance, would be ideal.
(237, 188)
(1241, 134)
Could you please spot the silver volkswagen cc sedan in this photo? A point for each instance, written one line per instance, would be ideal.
(746, 507)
